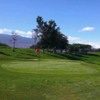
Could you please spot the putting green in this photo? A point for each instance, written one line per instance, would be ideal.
(50, 67)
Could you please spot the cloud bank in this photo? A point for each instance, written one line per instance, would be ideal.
(4, 30)
(27, 34)
(79, 40)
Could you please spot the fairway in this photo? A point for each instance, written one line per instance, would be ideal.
(50, 67)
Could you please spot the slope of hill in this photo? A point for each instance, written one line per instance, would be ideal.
(28, 54)
(3, 45)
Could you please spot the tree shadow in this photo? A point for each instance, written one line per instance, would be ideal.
(79, 57)
(66, 56)
(71, 56)
(96, 55)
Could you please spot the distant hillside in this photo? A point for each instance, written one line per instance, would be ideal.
(22, 42)
(3, 45)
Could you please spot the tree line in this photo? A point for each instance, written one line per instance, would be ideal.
(50, 37)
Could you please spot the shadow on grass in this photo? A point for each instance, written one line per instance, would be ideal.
(56, 55)
(71, 56)
(96, 55)
(80, 57)
(67, 56)
(4, 53)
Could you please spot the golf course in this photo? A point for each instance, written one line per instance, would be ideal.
(50, 50)
(25, 75)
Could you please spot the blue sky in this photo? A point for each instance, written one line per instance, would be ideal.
(78, 19)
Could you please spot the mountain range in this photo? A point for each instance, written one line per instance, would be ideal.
(21, 42)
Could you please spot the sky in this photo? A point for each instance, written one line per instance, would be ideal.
(79, 20)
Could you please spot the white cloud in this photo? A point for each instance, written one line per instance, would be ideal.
(78, 40)
(23, 33)
(4, 30)
(88, 28)
(71, 38)
(18, 32)
(93, 44)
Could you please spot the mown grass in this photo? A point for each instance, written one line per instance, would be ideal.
(52, 77)
(50, 67)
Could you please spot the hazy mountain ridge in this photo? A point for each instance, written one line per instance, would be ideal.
(22, 42)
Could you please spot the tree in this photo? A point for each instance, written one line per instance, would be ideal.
(73, 48)
(14, 39)
(51, 36)
(63, 42)
(35, 36)
(85, 48)
(80, 48)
